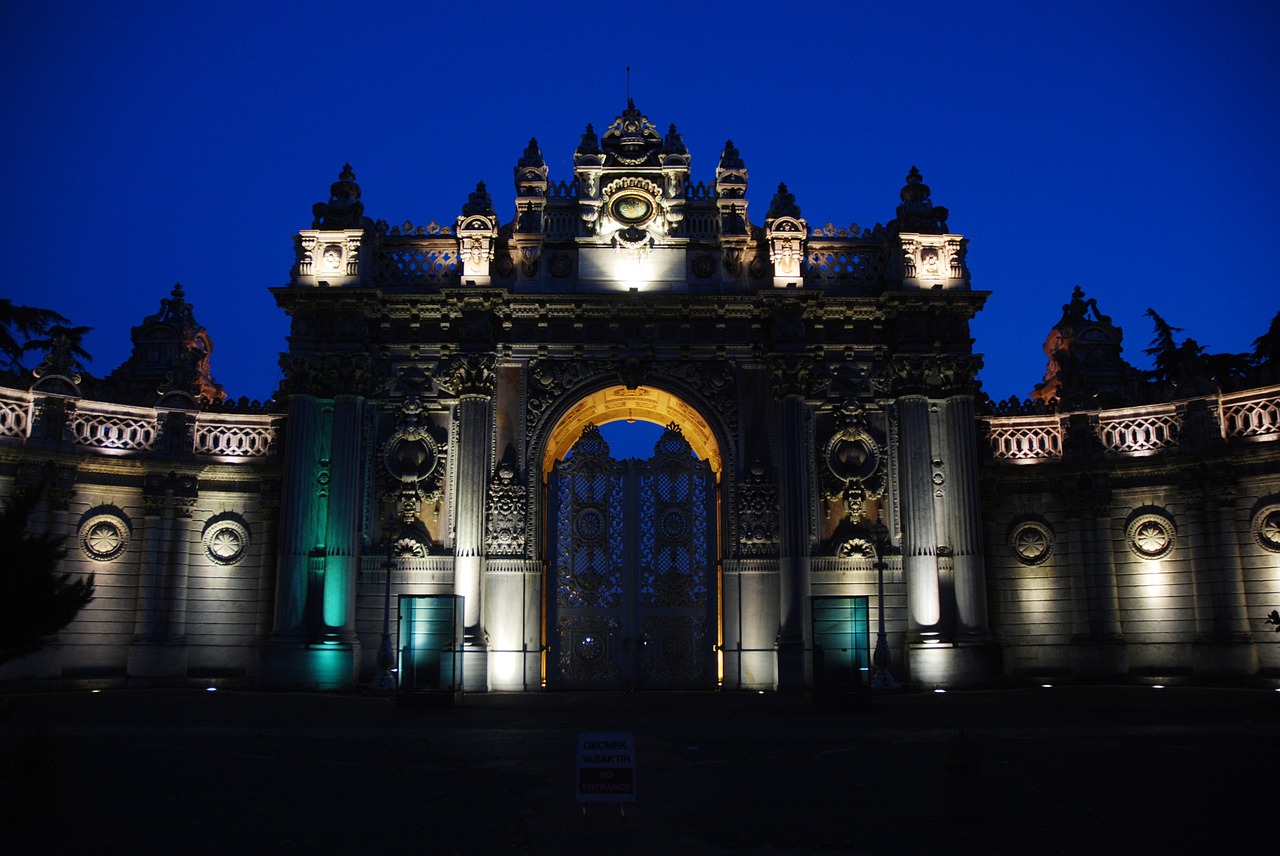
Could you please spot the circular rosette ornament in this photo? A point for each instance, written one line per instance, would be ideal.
(104, 537)
(1266, 528)
(1151, 536)
(225, 541)
(1031, 542)
(410, 456)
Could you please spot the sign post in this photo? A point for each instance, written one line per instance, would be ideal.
(606, 767)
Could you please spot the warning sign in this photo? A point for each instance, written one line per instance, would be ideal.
(606, 766)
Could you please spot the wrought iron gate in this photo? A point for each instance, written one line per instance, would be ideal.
(632, 551)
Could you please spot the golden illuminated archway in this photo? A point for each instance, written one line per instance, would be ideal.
(643, 403)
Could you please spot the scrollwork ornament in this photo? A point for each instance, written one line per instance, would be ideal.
(1266, 527)
(1031, 542)
(758, 516)
(854, 468)
(471, 374)
(505, 522)
(1151, 536)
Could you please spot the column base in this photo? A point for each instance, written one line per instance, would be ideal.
(1228, 658)
(1092, 658)
(157, 660)
(949, 665)
(791, 667)
(308, 665)
(475, 667)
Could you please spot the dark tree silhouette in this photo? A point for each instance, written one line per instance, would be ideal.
(1164, 350)
(1266, 354)
(22, 322)
(62, 347)
(35, 600)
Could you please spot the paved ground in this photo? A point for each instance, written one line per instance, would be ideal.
(1063, 770)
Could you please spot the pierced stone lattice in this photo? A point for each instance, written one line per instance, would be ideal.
(413, 265)
(1252, 418)
(234, 441)
(1026, 439)
(114, 432)
(1138, 433)
(841, 264)
(14, 419)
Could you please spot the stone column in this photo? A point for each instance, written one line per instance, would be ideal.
(1098, 647)
(148, 626)
(1224, 644)
(474, 433)
(965, 521)
(471, 378)
(1100, 579)
(342, 524)
(791, 376)
(303, 450)
(180, 540)
(919, 528)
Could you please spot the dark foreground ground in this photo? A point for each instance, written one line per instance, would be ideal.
(1062, 770)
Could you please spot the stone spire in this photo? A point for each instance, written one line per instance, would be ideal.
(344, 210)
(531, 171)
(478, 202)
(783, 204)
(1085, 369)
(170, 360)
(917, 213)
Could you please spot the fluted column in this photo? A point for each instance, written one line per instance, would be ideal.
(303, 451)
(148, 624)
(792, 377)
(919, 528)
(180, 540)
(342, 524)
(1224, 644)
(471, 377)
(473, 480)
(1100, 579)
(1231, 619)
(964, 519)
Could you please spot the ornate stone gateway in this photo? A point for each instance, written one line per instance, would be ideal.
(632, 561)
(437, 376)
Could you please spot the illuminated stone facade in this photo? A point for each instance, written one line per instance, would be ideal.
(824, 377)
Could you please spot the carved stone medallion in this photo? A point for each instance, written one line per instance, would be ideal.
(1151, 536)
(104, 537)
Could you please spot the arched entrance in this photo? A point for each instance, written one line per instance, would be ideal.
(632, 551)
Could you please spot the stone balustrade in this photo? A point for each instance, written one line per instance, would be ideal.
(123, 429)
(1250, 415)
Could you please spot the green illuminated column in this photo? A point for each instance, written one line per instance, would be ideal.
(304, 452)
(342, 524)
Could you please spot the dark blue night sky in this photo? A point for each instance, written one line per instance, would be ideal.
(1127, 148)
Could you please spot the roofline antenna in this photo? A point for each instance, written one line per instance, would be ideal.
(630, 103)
